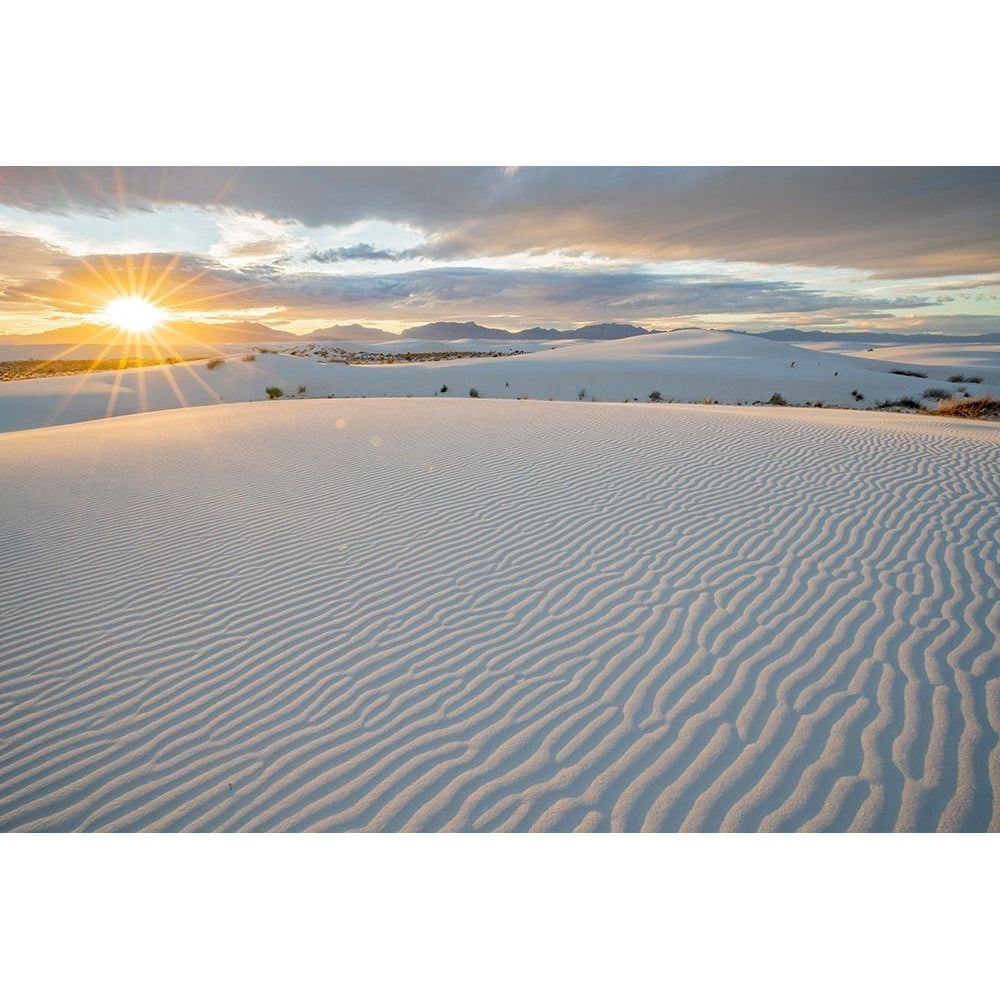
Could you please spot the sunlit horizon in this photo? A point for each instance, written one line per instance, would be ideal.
(908, 250)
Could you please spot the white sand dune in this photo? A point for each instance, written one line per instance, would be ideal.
(683, 366)
(938, 361)
(457, 614)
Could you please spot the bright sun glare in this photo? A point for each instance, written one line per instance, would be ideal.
(133, 314)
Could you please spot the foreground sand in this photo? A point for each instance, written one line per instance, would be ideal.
(500, 615)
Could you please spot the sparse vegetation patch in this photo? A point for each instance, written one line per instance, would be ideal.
(342, 356)
(981, 408)
(11, 371)
(903, 403)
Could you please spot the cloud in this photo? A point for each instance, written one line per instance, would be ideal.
(257, 249)
(191, 284)
(315, 196)
(24, 258)
(360, 251)
(82, 285)
(893, 221)
(586, 294)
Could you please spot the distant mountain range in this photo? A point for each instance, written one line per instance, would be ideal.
(192, 333)
(473, 331)
(354, 332)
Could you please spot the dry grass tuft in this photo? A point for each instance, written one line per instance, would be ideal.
(983, 408)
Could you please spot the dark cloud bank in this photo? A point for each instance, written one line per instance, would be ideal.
(893, 221)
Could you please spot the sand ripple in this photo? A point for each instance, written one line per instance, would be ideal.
(481, 615)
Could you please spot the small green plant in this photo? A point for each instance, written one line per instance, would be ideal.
(274, 392)
(655, 396)
(474, 393)
(777, 399)
(215, 362)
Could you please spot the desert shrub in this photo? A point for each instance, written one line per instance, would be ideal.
(655, 396)
(903, 403)
(975, 379)
(778, 400)
(936, 394)
(908, 372)
(302, 390)
(581, 395)
(443, 388)
(982, 408)
(708, 401)
(858, 396)
(474, 393)
(274, 392)
(215, 362)
(250, 357)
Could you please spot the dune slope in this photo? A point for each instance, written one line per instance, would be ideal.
(499, 615)
(684, 366)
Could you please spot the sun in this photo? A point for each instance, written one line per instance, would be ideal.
(133, 314)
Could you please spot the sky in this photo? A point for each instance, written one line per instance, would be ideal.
(841, 249)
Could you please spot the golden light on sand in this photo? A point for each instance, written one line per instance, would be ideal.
(133, 314)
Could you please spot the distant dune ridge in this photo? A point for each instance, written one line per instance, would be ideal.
(476, 614)
(689, 365)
